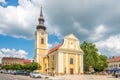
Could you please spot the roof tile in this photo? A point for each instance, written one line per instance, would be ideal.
(54, 49)
(114, 59)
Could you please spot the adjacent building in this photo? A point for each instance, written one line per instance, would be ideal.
(11, 60)
(65, 58)
(0, 66)
(114, 62)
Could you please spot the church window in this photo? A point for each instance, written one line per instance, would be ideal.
(42, 41)
(71, 60)
(71, 43)
(53, 58)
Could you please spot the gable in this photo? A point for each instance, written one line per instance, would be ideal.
(71, 42)
(71, 36)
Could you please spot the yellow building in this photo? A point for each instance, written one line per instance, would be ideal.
(65, 58)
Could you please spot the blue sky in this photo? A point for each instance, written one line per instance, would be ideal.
(93, 21)
(17, 43)
(23, 44)
(10, 2)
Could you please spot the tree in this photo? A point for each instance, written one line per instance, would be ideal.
(15, 66)
(92, 58)
(27, 67)
(102, 63)
(32, 66)
(6, 67)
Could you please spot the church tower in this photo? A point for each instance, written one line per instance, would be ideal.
(41, 37)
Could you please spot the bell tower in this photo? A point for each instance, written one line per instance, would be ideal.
(41, 37)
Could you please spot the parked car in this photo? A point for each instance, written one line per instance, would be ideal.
(13, 72)
(19, 72)
(1, 71)
(117, 74)
(27, 73)
(35, 75)
(5, 72)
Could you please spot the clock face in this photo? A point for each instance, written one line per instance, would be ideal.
(42, 33)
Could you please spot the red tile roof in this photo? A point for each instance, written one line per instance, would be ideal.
(54, 49)
(114, 59)
(26, 61)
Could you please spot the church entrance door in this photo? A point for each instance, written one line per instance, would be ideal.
(71, 71)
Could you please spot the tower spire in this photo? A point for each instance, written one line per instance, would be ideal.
(41, 21)
(41, 14)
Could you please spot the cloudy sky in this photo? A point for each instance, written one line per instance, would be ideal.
(96, 21)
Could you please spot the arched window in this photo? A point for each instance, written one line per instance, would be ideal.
(42, 41)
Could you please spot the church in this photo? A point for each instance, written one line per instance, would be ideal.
(65, 58)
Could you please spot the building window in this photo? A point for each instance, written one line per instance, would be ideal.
(53, 58)
(114, 65)
(42, 41)
(71, 60)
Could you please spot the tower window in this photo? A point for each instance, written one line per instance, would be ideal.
(71, 60)
(42, 41)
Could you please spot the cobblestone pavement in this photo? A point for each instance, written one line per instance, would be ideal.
(87, 77)
(64, 77)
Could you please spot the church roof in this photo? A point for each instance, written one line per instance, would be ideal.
(114, 59)
(54, 49)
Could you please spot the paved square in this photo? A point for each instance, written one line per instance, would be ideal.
(87, 77)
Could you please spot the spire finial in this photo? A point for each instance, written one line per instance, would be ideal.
(41, 14)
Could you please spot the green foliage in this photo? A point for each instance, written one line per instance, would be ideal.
(6, 67)
(27, 67)
(16, 67)
(32, 66)
(102, 63)
(92, 58)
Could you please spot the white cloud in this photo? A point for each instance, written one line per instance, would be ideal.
(20, 21)
(4, 52)
(80, 18)
(3, 1)
(98, 32)
(110, 46)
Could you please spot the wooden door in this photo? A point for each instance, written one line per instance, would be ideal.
(71, 71)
